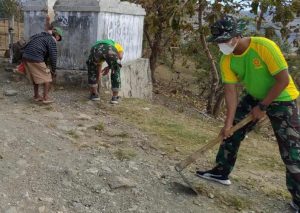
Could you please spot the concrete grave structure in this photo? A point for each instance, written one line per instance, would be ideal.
(35, 12)
(84, 22)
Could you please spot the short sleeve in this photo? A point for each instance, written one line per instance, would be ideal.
(228, 76)
(271, 54)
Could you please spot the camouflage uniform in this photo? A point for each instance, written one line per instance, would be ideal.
(108, 53)
(285, 120)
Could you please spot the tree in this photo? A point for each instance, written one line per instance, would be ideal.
(210, 12)
(9, 8)
(166, 23)
(162, 25)
(283, 14)
(280, 10)
(260, 8)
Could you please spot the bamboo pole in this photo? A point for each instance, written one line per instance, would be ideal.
(5, 41)
(19, 36)
(11, 37)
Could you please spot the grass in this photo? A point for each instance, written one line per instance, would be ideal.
(266, 188)
(120, 134)
(125, 154)
(73, 134)
(171, 128)
(236, 201)
(276, 193)
(99, 127)
(51, 125)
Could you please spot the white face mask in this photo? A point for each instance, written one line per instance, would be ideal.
(227, 48)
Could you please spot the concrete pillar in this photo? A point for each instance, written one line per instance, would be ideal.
(35, 12)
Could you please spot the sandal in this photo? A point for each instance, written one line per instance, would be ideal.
(47, 101)
(38, 99)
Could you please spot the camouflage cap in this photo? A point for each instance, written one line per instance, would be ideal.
(226, 28)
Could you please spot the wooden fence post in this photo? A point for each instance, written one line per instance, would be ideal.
(11, 23)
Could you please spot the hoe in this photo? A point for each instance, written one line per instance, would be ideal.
(194, 156)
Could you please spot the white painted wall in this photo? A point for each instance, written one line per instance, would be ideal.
(124, 29)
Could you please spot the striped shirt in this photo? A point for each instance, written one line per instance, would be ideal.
(41, 47)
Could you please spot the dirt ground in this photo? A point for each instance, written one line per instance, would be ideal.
(80, 156)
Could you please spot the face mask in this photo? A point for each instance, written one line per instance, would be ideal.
(227, 48)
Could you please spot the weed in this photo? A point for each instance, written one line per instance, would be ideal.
(99, 127)
(73, 134)
(51, 125)
(120, 134)
(237, 202)
(49, 108)
(125, 154)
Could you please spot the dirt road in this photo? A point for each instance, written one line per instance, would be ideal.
(75, 156)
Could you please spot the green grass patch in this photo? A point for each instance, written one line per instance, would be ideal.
(125, 154)
(119, 134)
(234, 200)
(173, 129)
(277, 193)
(99, 127)
(73, 134)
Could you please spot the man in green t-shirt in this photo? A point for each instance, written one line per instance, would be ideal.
(258, 64)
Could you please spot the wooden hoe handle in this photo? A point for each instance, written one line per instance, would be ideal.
(193, 157)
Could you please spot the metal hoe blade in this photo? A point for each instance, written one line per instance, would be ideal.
(188, 182)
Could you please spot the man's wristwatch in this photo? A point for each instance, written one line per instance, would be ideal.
(262, 107)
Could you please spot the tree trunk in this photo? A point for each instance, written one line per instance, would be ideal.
(153, 61)
(259, 21)
(218, 105)
(155, 47)
(214, 72)
(263, 9)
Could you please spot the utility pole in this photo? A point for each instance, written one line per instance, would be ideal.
(11, 37)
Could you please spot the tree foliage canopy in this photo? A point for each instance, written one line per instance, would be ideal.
(9, 8)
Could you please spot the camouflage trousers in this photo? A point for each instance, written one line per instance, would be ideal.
(107, 53)
(285, 120)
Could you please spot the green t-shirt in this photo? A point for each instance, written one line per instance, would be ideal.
(256, 68)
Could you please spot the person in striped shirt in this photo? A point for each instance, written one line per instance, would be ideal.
(41, 48)
(259, 65)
